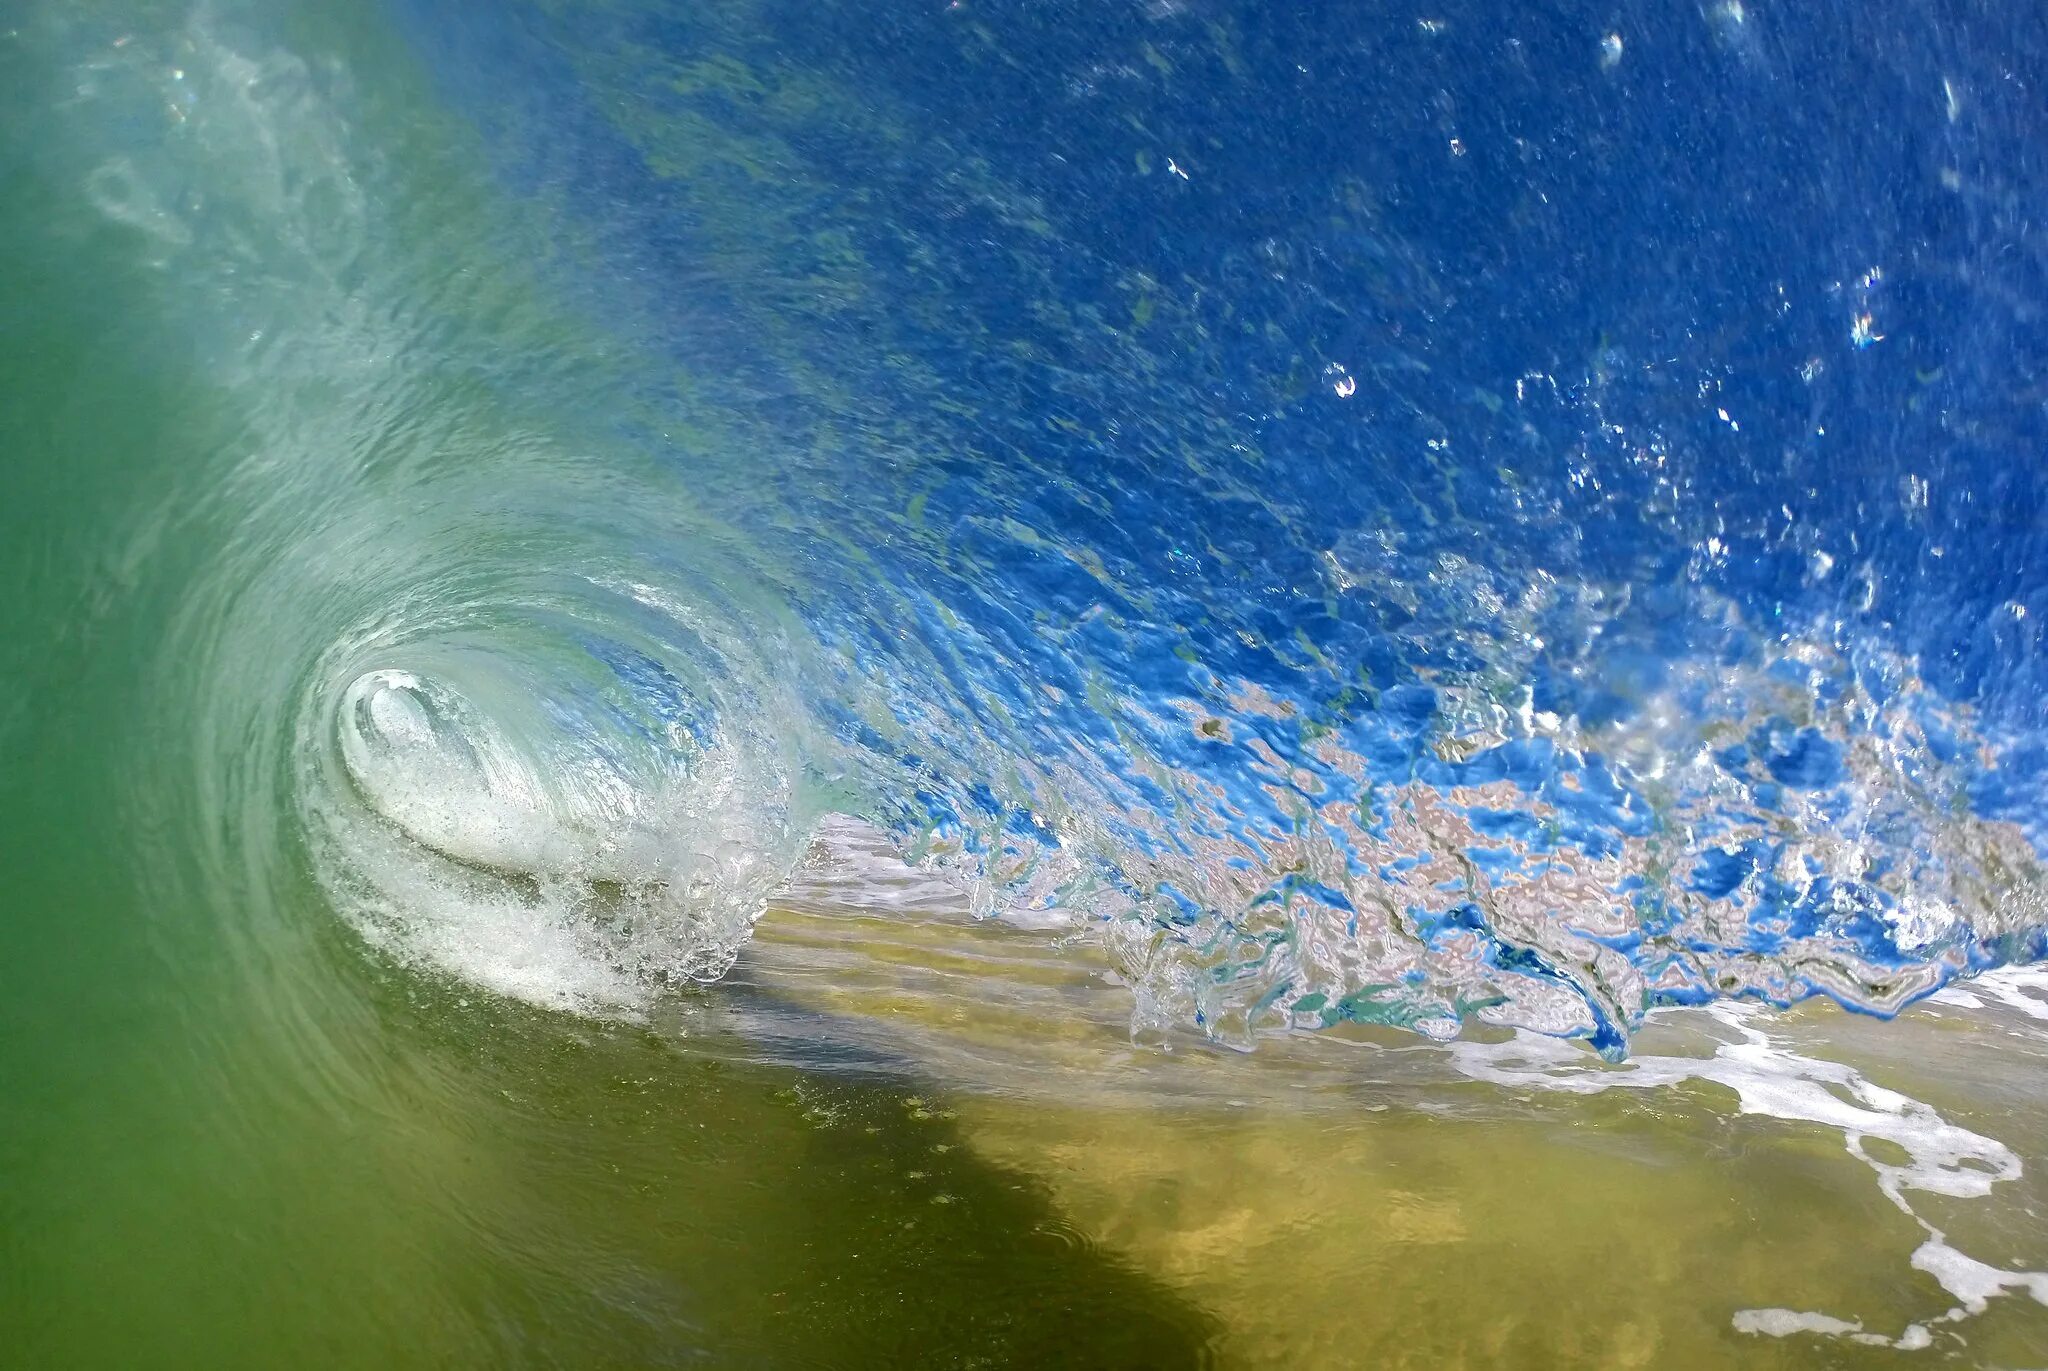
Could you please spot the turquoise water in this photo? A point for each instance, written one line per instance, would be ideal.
(713, 688)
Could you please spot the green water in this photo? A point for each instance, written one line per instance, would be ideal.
(235, 1133)
(229, 1136)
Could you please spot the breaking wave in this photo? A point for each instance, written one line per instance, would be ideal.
(1183, 534)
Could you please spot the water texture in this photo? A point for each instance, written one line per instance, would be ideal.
(1369, 516)
(672, 678)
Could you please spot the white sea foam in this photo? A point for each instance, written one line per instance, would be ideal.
(1771, 1079)
(2024, 988)
(1781, 1323)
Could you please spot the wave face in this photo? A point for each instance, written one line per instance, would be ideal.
(1503, 516)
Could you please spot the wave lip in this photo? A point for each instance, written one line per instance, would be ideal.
(1303, 768)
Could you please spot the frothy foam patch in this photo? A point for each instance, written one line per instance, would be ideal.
(413, 904)
(1768, 1079)
(1971, 1281)
(2024, 988)
(1783, 1323)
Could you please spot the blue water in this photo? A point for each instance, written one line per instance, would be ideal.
(1404, 512)
(1381, 515)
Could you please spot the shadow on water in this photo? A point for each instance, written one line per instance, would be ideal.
(651, 1206)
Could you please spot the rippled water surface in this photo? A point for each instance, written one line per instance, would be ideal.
(1022, 684)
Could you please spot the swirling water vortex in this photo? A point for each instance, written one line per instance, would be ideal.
(428, 663)
(662, 452)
